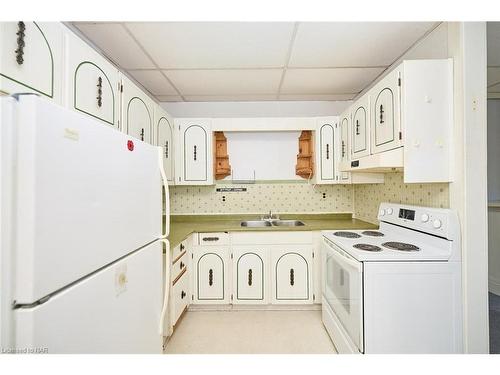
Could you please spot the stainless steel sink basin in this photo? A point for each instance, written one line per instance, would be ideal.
(255, 223)
(288, 223)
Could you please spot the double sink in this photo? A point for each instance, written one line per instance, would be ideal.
(271, 223)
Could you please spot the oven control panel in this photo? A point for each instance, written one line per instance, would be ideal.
(438, 221)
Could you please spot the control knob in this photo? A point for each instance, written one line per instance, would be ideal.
(424, 218)
(382, 212)
(389, 211)
(436, 224)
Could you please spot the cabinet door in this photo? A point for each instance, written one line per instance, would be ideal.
(137, 112)
(211, 276)
(165, 139)
(250, 276)
(360, 126)
(385, 113)
(195, 156)
(326, 155)
(180, 297)
(292, 276)
(344, 136)
(91, 82)
(31, 58)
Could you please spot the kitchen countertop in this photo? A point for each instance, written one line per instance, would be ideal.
(182, 226)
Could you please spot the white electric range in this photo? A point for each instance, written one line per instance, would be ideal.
(396, 289)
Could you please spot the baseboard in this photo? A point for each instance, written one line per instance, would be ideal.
(494, 286)
(311, 307)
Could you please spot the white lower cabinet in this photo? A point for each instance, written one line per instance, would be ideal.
(211, 275)
(292, 275)
(180, 296)
(250, 275)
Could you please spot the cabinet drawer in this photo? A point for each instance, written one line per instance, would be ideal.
(177, 252)
(209, 239)
(180, 297)
(179, 266)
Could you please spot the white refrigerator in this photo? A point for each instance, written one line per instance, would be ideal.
(81, 234)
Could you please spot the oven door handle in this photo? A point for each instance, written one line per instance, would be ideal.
(345, 259)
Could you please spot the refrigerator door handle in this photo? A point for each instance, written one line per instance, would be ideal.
(164, 310)
(167, 198)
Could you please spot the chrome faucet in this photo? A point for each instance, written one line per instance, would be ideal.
(270, 216)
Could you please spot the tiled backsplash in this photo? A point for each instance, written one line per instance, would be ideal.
(367, 198)
(262, 197)
(362, 200)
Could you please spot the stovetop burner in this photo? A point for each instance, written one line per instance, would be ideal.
(373, 233)
(346, 234)
(401, 246)
(366, 247)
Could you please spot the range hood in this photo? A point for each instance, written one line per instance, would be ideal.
(388, 161)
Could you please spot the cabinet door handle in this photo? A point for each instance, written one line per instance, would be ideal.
(166, 149)
(292, 277)
(99, 92)
(182, 247)
(381, 113)
(327, 151)
(210, 277)
(250, 277)
(343, 148)
(210, 239)
(21, 28)
(183, 294)
(357, 127)
(182, 265)
(142, 134)
(194, 152)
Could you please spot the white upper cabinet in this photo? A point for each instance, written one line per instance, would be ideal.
(137, 112)
(195, 159)
(92, 83)
(360, 128)
(31, 58)
(344, 126)
(326, 163)
(384, 99)
(164, 138)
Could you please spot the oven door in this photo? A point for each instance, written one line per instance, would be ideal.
(343, 290)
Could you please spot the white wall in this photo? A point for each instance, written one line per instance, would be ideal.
(494, 149)
(255, 109)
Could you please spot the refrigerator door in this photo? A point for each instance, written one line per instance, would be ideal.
(115, 310)
(86, 195)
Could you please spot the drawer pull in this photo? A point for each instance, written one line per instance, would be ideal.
(250, 277)
(292, 277)
(182, 265)
(210, 277)
(183, 294)
(210, 238)
(182, 247)
(21, 28)
(99, 92)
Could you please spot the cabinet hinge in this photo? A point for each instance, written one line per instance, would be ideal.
(231, 297)
(192, 297)
(121, 88)
(231, 256)
(400, 135)
(399, 81)
(313, 254)
(314, 297)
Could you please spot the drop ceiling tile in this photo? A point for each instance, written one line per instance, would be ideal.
(169, 98)
(229, 98)
(320, 97)
(493, 37)
(328, 81)
(117, 44)
(215, 44)
(343, 44)
(154, 81)
(225, 82)
(493, 75)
